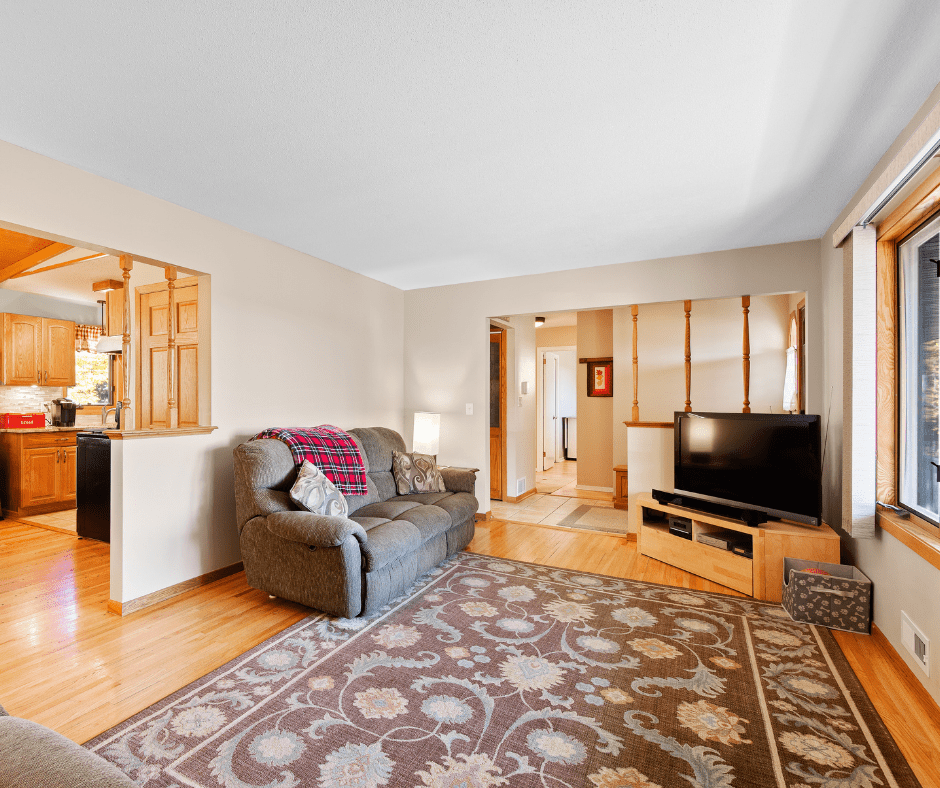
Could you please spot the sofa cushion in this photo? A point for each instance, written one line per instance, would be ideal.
(38, 757)
(429, 520)
(390, 541)
(416, 473)
(425, 498)
(460, 506)
(314, 492)
(368, 523)
(378, 443)
(387, 509)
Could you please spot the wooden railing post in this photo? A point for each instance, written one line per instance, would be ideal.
(127, 414)
(688, 357)
(634, 310)
(746, 354)
(172, 411)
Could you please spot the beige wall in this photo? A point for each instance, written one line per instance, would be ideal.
(558, 336)
(595, 414)
(295, 341)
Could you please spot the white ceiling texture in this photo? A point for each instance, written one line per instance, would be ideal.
(425, 143)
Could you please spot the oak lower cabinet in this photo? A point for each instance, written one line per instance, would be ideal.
(39, 472)
(37, 351)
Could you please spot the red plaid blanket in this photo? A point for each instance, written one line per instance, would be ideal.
(329, 448)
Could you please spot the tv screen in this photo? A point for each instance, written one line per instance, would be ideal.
(764, 461)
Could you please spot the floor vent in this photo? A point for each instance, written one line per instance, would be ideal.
(915, 642)
(521, 485)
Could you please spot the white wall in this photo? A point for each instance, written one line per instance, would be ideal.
(446, 328)
(295, 341)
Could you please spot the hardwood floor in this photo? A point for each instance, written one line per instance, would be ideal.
(69, 664)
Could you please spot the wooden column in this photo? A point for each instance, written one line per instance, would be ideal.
(172, 411)
(634, 310)
(746, 354)
(127, 415)
(688, 357)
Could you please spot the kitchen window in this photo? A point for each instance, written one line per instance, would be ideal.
(92, 379)
(919, 371)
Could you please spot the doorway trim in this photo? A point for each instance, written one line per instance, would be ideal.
(500, 331)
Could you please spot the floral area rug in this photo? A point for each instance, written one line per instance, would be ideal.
(496, 672)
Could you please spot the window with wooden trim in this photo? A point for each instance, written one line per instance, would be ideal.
(919, 371)
(908, 355)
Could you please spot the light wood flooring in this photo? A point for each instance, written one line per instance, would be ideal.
(69, 664)
(557, 499)
(63, 522)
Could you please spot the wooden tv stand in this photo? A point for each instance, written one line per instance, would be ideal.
(760, 576)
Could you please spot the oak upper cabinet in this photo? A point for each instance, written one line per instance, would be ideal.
(22, 350)
(38, 351)
(58, 352)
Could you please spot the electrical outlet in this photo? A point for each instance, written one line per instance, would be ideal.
(916, 642)
(469, 408)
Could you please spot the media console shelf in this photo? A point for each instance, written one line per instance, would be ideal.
(760, 576)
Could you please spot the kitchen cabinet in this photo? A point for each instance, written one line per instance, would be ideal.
(38, 471)
(38, 351)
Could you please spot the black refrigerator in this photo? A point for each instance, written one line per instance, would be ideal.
(93, 518)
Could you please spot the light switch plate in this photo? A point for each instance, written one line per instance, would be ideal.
(469, 408)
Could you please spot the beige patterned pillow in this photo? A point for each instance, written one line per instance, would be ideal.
(416, 473)
(315, 493)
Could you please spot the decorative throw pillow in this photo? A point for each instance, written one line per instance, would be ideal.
(315, 493)
(416, 473)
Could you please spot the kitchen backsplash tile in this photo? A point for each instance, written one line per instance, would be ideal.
(27, 399)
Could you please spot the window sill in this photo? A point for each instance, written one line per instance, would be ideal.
(914, 536)
(180, 432)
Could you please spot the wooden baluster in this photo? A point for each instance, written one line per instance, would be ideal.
(172, 411)
(746, 354)
(127, 415)
(688, 357)
(634, 310)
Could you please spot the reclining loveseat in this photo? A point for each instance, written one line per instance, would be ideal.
(346, 566)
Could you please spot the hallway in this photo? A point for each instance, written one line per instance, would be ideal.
(558, 502)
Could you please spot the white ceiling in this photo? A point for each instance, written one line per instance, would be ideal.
(424, 143)
(73, 282)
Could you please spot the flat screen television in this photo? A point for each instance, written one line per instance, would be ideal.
(764, 461)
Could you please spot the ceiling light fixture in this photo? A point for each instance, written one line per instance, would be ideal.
(539, 321)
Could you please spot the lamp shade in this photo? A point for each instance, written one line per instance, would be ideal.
(427, 433)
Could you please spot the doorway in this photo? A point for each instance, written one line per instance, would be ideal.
(497, 413)
(549, 409)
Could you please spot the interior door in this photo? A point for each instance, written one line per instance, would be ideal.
(154, 325)
(549, 408)
(497, 412)
(58, 352)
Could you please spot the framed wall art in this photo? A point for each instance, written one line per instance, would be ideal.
(600, 377)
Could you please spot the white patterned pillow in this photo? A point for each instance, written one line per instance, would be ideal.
(416, 473)
(315, 493)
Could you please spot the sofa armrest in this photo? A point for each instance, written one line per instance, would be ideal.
(459, 479)
(316, 530)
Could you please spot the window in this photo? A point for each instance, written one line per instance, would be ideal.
(92, 379)
(919, 371)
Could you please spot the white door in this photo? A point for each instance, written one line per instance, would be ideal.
(549, 408)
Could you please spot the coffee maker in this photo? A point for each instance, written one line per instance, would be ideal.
(63, 412)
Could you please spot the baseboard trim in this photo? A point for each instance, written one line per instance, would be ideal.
(517, 498)
(149, 600)
(483, 516)
(593, 489)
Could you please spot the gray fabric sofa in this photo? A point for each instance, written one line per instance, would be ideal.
(35, 756)
(346, 566)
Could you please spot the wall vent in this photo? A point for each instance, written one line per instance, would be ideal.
(916, 643)
(521, 485)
